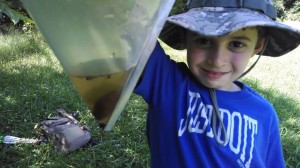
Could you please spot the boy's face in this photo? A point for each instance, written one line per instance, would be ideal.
(217, 62)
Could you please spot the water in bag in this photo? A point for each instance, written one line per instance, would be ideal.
(103, 45)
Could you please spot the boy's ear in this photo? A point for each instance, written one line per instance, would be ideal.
(259, 46)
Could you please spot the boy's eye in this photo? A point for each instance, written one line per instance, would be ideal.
(203, 42)
(237, 44)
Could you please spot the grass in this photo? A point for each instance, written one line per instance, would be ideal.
(33, 85)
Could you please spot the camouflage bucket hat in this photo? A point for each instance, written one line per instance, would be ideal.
(221, 17)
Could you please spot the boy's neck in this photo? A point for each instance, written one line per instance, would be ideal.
(235, 87)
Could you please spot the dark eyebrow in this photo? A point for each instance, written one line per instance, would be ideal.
(241, 38)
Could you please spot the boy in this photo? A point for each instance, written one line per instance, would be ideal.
(200, 115)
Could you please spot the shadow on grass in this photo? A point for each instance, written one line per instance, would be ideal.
(288, 111)
(32, 95)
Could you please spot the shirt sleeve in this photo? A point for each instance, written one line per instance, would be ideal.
(154, 73)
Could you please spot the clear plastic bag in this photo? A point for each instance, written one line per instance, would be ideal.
(103, 45)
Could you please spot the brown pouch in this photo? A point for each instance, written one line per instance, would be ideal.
(64, 132)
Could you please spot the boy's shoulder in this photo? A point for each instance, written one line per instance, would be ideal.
(250, 90)
(255, 95)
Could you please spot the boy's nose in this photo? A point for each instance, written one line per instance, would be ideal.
(218, 57)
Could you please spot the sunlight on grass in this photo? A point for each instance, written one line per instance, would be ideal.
(177, 55)
(281, 73)
(11, 101)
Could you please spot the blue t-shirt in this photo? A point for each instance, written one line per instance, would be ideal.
(179, 116)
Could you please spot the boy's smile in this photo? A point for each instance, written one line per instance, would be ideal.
(217, 62)
(212, 74)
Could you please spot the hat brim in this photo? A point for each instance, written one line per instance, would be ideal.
(216, 22)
